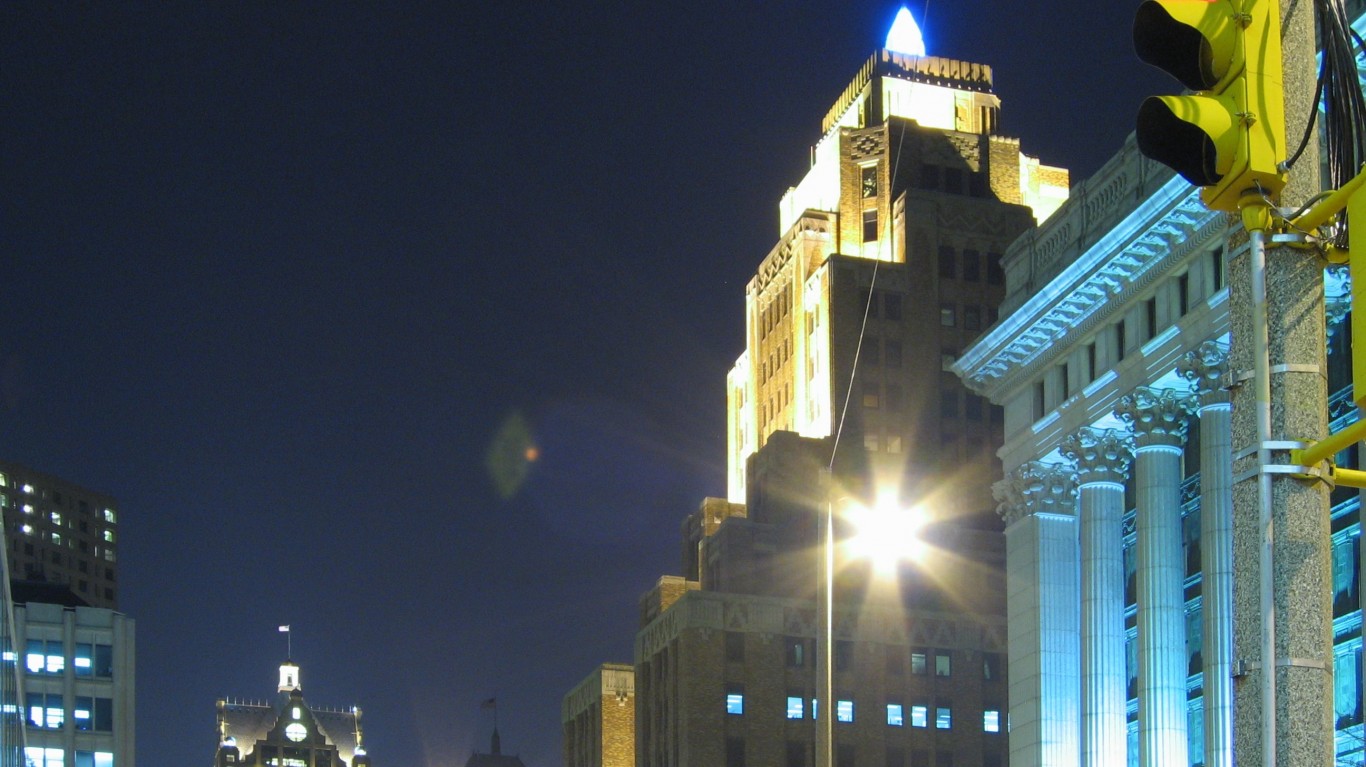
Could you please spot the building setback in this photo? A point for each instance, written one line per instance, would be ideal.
(598, 719)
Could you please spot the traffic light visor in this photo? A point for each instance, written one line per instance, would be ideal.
(1192, 40)
(1187, 133)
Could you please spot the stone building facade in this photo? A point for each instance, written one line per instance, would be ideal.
(598, 719)
(1111, 360)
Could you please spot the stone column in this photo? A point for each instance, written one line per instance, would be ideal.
(1037, 502)
(1158, 419)
(1205, 368)
(1102, 458)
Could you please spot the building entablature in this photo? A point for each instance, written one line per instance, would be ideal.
(1099, 286)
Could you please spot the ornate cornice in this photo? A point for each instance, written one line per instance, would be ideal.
(1100, 455)
(1035, 488)
(1158, 417)
(1206, 368)
(1158, 233)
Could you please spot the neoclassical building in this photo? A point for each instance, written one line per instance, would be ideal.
(1111, 363)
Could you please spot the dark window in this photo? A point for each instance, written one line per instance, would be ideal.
(972, 318)
(735, 647)
(972, 266)
(1217, 261)
(1183, 293)
(844, 655)
(929, 176)
(943, 759)
(1150, 311)
(920, 758)
(953, 180)
(866, 300)
(943, 663)
(892, 393)
(869, 180)
(104, 659)
(1120, 340)
(891, 306)
(796, 754)
(104, 715)
(896, 757)
(948, 404)
(796, 652)
(891, 357)
(991, 666)
(918, 662)
(995, 274)
(870, 225)
(870, 395)
(845, 757)
(870, 352)
(948, 262)
(972, 407)
(735, 752)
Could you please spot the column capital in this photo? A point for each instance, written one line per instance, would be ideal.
(1206, 368)
(1156, 416)
(1035, 487)
(1101, 455)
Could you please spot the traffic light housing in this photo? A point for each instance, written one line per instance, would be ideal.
(1227, 137)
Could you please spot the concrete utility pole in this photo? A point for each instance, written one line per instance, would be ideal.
(1294, 642)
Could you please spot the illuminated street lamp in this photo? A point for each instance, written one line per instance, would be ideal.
(887, 534)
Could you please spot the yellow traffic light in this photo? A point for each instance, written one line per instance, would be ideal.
(1229, 136)
(1356, 264)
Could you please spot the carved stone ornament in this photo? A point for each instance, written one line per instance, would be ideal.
(1036, 488)
(1101, 455)
(1156, 416)
(1206, 368)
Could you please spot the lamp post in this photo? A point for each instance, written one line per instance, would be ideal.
(887, 535)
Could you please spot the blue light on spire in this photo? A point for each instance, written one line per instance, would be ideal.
(905, 36)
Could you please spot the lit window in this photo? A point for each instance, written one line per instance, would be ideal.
(44, 757)
(948, 315)
(82, 713)
(57, 539)
(109, 515)
(895, 715)
(294, 712)
(920, 716)
(28, 508)
(991, 721)
(56, 518)
(796, 707)
(28, 489)
(918, 662)
(943, 718)
(894, 444)
(109, 536)
(28, 529)
(109, 554)
(9, 656)
(735, 700)
(942, 663)
(844, 710)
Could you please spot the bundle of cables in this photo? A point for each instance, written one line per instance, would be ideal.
(1339, 95)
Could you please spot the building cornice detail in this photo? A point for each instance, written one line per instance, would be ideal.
(1156, 236)
(1033, 488)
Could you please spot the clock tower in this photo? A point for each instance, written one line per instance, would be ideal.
(288, 731)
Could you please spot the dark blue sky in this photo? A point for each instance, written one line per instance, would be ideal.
(275, 274)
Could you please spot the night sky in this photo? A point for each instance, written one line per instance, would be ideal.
(276, 275)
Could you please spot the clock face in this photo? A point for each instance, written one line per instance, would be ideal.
(296, 732)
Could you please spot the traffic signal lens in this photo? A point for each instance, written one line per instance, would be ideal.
(1173, 131)
(1174, 47)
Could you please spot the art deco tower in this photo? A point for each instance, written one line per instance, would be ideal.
(888, 265)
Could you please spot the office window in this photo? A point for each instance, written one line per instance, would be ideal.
(796, 705)
(796, 652)
(972, 265)
(94, 759)
(870, 395)
(991, 666)
(104, 659)
(45, 710)
(991, 720)
(894, 444)
(895, 659)
(735, 699)
(844, 711)
(972, 318)
(735, 647)
(844, 655)
(948, 262)
(44, 657)
(895, 715)
(891, 306)
(869, 352)
(844, 757)
(943, 718)
(891, 357)
(796, 754)
(870, 225)
(942, 663)
(948, 315)
(43, 757)
(83, 713)
(918, 664)
(892, 393)
(920, 716)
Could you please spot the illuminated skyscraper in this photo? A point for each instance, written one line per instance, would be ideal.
(887, 266)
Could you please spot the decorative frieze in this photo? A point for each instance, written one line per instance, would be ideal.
(1156, 416)
(1035, 487)
(1100, 455)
